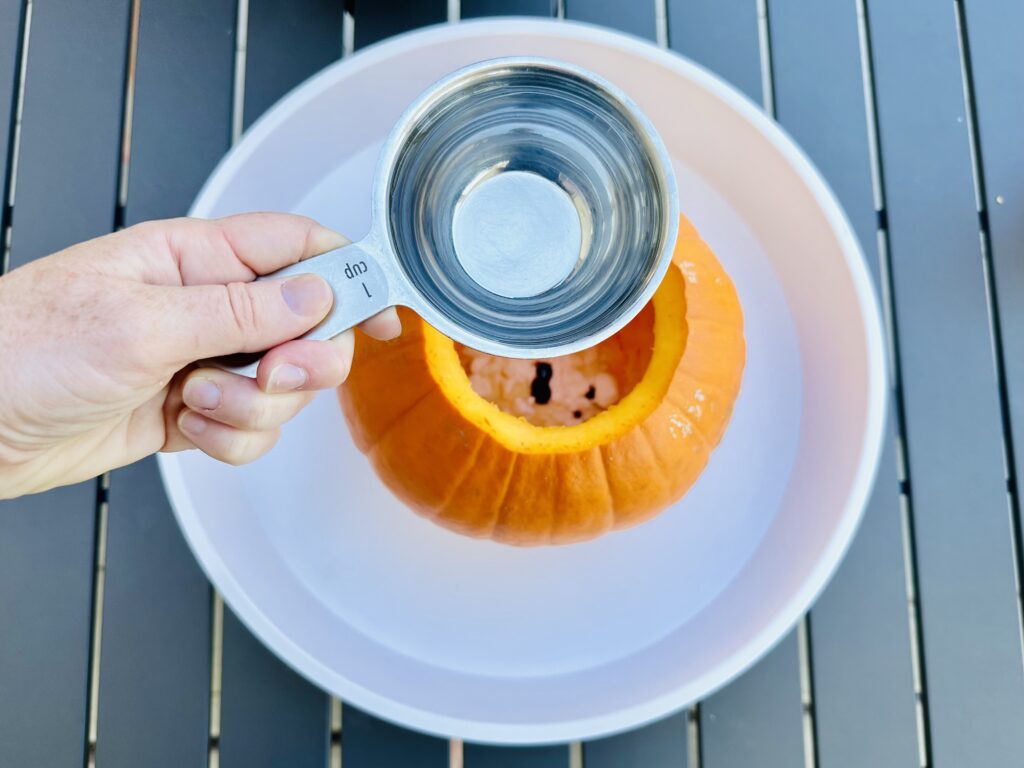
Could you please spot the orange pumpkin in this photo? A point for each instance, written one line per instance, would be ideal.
(465, 440)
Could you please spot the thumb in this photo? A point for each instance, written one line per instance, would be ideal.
(214, 320)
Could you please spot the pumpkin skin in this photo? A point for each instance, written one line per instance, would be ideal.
(459, 460)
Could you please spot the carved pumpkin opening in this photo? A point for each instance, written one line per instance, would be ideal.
(568, 390)
(651, 348)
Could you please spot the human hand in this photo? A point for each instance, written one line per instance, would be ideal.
(98, 345)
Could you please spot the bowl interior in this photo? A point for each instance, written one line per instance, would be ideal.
(493, 643)
(529, 119)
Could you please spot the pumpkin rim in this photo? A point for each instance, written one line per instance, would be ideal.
(669, 332)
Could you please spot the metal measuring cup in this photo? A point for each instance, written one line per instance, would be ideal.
(522, 206)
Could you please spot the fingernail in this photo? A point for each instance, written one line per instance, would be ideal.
(202, 394)
(286, 378)
(192, 423)
(307, 295)
(322, 239)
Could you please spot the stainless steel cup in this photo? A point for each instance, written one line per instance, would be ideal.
(522, 206)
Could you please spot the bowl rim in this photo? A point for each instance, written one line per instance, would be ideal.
(792, 609)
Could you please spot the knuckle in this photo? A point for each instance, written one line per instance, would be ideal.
(242, 310)
(259, 414)
(148, 229)
(246, 447)
(234, 451)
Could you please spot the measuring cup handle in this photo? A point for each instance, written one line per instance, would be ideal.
(360, 291)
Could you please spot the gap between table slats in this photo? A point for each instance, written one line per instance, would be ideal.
(99, 570)
(661, 23)
(337, 708)
(14, 137)
(126, 118)
(336, 720)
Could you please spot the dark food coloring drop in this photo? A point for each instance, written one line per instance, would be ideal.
(590, 393)
(540, 387)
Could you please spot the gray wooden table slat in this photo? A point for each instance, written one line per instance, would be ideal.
(483, 756)
(994, 33)
(181, 122)
(157, 603)
(71, 126)
(864, 700)
(637, 18)
(722, 36)
(665, 744)
(269, 715)
(368, 742)
(155, 654)
(66, 183)
(12, 14)
(971, 626)
(378, 19)
(475, 8)
(46, 565)
(863, 680)
(287, 42)
(757, 719)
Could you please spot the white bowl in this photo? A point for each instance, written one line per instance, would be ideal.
(491, 643)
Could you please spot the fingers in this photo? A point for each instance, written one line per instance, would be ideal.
(234, 446)
(237, 401)
(269, 241)
(236, 247)
(237, 419)
(192, 323)
(384, 325)
(303, 364)
(208, 305)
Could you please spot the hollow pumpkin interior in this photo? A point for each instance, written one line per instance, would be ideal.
(574, 402)
(566, 390)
